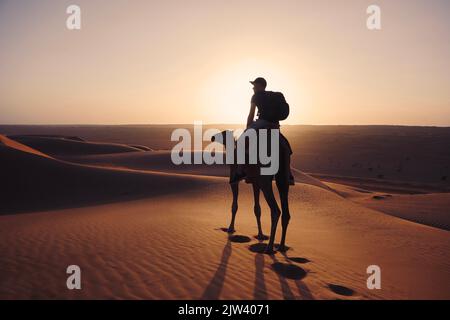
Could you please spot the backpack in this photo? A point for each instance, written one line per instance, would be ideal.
(279, 105)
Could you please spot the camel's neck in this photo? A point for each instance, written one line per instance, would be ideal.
(232, 161)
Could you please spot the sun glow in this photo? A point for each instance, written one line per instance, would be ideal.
(226, 94)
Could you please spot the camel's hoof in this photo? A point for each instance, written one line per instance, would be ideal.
(282, 248)
(228, 230)
(261, 237)
(231, 230)
(269, 251)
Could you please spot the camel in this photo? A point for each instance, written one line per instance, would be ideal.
(264, 183)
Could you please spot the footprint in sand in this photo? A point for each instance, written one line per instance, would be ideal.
(299, 260)
(289, 271)
(341, 290)
(239, 239)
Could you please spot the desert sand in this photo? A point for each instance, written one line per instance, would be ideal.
(141, 228)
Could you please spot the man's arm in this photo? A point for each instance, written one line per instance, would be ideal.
(251, 114)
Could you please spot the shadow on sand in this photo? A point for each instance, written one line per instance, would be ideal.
(214, 288)
(239, 239)
(341, 290)
(284, 270)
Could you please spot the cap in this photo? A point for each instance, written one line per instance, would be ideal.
(259, 80)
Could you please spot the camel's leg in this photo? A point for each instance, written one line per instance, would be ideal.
(266, 187)
(283, 189)
(257, 210)
(234, 206)
(282, 179)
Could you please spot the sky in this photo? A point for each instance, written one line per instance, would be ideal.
(155, 62)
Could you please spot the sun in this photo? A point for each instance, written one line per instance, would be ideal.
(226, 94)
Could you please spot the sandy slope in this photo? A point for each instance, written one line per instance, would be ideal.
(161, 161)
(32, 182)
(432, 209)
(63, 146)
(13, 144)
(169, 245)
(416, 156)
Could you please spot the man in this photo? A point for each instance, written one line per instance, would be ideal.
(267, 115)
(272, 107)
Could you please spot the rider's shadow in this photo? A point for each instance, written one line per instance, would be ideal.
(260, 291)
(284, 271)
(214, 288)
(259, 249)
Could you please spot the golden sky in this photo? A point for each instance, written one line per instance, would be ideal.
(180, 61)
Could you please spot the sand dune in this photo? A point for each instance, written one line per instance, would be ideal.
(161, 161)
(64, 146)
(169, 244)
(19, 146)
(154, 160)
(33, 182)
(171, 247)
(415, 156)
(431, 209)
(38, 182)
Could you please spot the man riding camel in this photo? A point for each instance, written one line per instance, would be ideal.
(272, 107)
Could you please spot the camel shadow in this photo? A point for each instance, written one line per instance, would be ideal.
(215, 286)
(299, 260)
(284, 271)
(302, 288)
(289, 271)
(239, 238)
(260, 290)
(341, 290)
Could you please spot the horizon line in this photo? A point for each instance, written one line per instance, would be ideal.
(221, 124)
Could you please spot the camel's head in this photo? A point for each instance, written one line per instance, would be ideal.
(223, 137)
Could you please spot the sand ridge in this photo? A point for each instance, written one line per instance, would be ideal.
(168, 244)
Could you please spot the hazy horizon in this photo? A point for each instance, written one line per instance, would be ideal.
(213, 124)
(168, 62)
